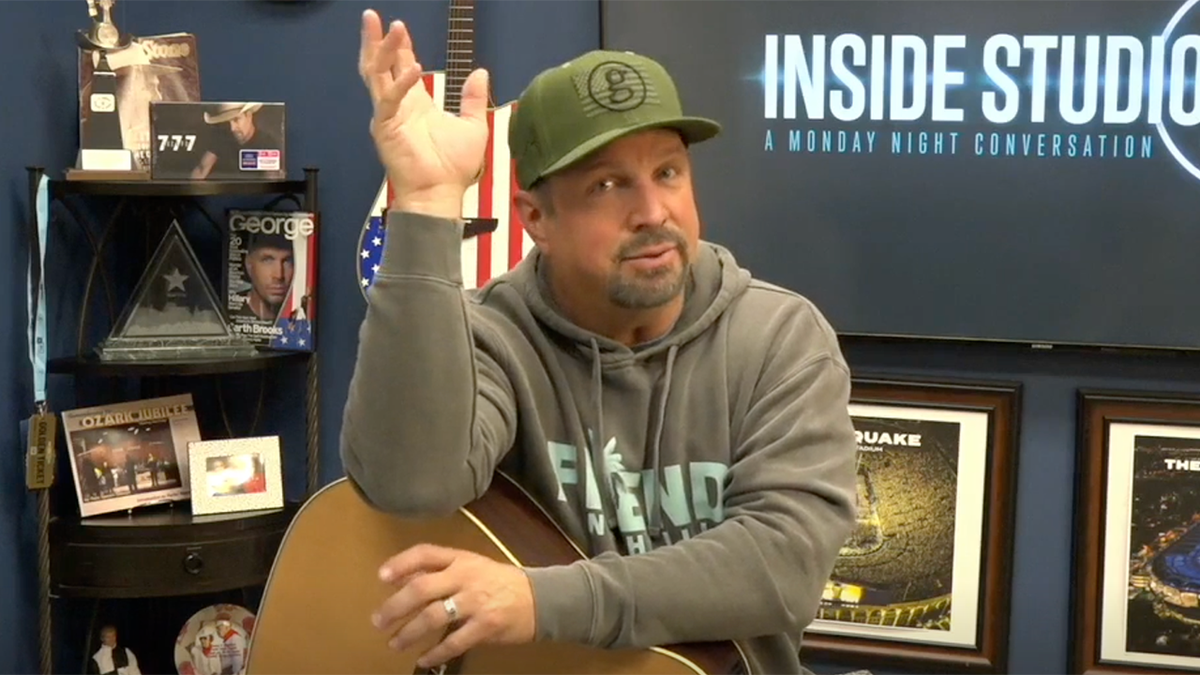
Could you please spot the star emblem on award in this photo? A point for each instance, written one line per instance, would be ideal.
(175, 280)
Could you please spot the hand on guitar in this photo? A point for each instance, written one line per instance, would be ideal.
(431, 156)
(493, 601)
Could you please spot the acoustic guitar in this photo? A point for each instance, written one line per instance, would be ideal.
(317, 603)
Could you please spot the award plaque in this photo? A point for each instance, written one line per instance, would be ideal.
(101, 144)
(101, 141)
(174, 312)
(218, 140)
(120, 75)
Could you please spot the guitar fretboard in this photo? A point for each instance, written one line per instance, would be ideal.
(460, 51)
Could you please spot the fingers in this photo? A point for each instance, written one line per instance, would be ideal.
(475, 96)
(432, 618)
(422, 558)
(372, 33)
(377, 71)
(387, 63)
(405, 52)
(455, 644)
(420, 593)
(393, 99)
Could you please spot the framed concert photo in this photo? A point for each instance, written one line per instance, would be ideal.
(1136, 587)
(236, 474)
(923, 582)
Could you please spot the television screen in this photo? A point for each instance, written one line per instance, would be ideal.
(1014, 170)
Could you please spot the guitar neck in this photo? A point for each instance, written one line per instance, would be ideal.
(460, 51)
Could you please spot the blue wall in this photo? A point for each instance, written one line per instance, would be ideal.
(305, 53)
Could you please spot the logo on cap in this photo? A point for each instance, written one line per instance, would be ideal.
(616, 86)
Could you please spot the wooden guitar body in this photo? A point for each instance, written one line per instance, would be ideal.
(323, 587)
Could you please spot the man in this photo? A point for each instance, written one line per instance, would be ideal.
(206, 651)
(111, 658)
(131, 472)
(686, 425)
(153, 465)
(238, 121)
(270, 268)
(233, 646)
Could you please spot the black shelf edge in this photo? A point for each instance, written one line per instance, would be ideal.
(61, 591)
(134, 525)
(174, 188)
(93, 366)
(164, 551)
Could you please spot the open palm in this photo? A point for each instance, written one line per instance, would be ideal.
(425, 150)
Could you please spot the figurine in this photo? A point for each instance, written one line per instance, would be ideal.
(233, 645)
(111, 658)
(206, 652)
(103, 34)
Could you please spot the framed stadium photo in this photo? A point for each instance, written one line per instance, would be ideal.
(923, 582)
(1136, 592)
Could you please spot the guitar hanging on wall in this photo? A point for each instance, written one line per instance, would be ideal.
(494, 239)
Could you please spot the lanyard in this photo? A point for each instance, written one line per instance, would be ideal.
(36, 297)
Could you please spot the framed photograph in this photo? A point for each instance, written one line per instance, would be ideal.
(130, 454)
(237, 474)
(923, 583)
(1136, 587)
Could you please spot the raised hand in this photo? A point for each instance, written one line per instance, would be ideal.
(431, 157)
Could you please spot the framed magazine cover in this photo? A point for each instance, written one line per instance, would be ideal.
(937, 478)
(1136, 587)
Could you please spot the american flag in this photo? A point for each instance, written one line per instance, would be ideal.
(299, 307)
(487, 255)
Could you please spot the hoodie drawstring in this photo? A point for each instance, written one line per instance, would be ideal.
(599, 461)
(654, 526)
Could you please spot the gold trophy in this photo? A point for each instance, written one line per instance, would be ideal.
(103, 34)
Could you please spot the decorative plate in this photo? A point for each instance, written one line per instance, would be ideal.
(214, 640)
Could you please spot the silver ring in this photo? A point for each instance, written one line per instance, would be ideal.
(451, 609)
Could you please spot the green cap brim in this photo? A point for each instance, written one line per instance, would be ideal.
(693, 129)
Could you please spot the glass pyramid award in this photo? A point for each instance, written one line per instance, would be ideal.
(173, 313)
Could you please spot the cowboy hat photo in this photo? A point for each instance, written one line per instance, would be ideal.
(228, 111)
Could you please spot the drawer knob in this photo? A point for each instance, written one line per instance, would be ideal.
(193, 563)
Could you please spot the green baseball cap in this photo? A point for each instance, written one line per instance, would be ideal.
(569, 111)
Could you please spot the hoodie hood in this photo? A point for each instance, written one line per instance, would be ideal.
(714, 282)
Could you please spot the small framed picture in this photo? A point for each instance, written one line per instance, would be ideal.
(236, 474)
(1136, 580)
(923, 581)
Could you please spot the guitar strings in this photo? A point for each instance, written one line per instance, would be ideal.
(459, 62)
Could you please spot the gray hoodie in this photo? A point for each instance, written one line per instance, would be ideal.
(724, 450)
